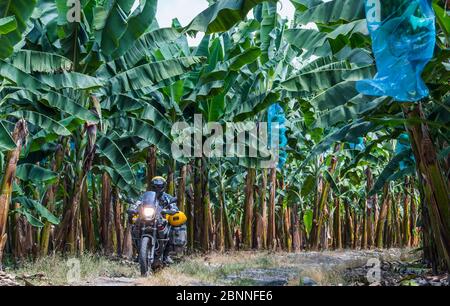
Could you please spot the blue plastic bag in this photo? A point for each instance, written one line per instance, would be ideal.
(359, 146)
(403, 38)
(275, 113)
(404, 144)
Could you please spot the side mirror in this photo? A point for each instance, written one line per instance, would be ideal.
(131, 211)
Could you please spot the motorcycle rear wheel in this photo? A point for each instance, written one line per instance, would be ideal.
(144, 257)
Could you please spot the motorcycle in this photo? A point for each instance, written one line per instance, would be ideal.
(155, 231)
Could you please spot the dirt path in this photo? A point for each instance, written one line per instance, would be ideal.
(280, 269)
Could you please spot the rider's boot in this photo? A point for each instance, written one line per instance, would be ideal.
(166, 258)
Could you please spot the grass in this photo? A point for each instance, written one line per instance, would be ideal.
(213, 268)
(59, 270)
(234, 268)
(196, 270)
(192, 270)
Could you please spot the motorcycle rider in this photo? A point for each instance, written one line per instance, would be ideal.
(166, 201)
(158, 184)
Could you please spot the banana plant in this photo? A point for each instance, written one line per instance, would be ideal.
(344, 114)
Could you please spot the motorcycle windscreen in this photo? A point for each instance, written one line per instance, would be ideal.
(403, 38)
(149, 198)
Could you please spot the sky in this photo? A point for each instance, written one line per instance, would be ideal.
(186, 10)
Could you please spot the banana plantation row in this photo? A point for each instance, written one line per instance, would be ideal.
(87, 108)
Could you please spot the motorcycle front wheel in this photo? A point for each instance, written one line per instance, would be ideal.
(144, 256)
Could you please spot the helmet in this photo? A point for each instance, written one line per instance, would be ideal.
(177, 219)
(158, 184)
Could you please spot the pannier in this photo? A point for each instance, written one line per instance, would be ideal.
(178, 238)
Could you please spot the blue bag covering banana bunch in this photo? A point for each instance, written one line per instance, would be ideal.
(359, 146)
(404, 144)
(276, 114)
(403, 39)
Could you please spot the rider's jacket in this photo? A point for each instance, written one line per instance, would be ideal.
(167, 201)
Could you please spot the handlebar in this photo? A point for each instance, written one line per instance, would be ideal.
(169, 212)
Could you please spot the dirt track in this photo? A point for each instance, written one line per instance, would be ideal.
(279, 269)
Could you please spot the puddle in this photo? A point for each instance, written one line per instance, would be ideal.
(112, 282)
(262, 277)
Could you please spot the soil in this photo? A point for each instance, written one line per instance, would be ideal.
(7, 280)
(394, 267)
(336, 268)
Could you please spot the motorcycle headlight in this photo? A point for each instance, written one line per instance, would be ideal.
(149, 212)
